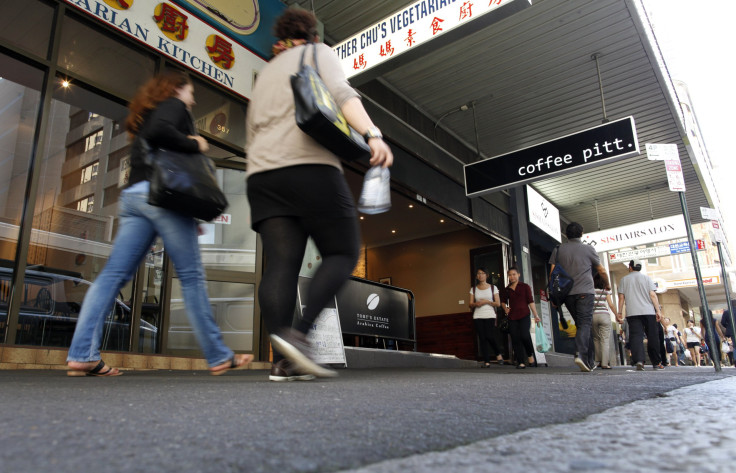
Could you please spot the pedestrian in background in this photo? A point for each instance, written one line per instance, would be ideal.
(602, 323)
(518, 303)
(580, 261)
(693, 340)
(637, 292)
(297, 189)
(672, 341)
(160, 114)
(484, 299)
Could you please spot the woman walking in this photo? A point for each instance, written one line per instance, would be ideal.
(484, 299)
(518, 303)
(693, 339)
(602, 323)
(160, 115)
(297, 190)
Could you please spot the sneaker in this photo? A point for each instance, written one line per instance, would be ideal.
(658, 367)
(295, 347)
(284, 370)
(581, 364)
(639, 366)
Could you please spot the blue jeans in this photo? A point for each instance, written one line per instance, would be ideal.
(580, 307)
(139, 225)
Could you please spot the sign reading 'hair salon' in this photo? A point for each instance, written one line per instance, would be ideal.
(594, 146)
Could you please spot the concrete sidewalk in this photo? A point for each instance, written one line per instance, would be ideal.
(180, 421)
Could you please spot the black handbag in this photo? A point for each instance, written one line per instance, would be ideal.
(318, 115)
(184, 183)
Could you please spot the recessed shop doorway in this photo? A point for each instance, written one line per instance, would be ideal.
(422, 248)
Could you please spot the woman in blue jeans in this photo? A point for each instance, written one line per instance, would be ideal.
(160, 114)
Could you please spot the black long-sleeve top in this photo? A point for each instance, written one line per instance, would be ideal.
(166, 126)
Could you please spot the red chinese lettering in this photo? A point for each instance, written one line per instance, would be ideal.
(388, 51)
(222, 52)
(360, 62)
(436, 27)
(172, 21)
(466, 10)
(494, 2)
(410, 37)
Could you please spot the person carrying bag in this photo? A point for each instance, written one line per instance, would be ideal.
(160, 117)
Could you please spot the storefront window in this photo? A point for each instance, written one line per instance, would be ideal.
(219, 115)
(103, 60)
(73, 223)
(232, 308)
(228, 243)
(19, 103)
(26, 24)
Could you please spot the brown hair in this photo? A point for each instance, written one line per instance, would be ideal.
(296, 24)
(150, 94)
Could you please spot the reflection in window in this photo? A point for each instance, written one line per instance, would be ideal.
(95, 139)
(87, 204)
(72, 232)
(89, 173)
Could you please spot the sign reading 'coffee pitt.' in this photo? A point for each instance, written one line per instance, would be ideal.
(594, 146)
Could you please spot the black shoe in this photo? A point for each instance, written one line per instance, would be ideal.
(284, 370)
(520, 366)
(295, 347)
(501, 362)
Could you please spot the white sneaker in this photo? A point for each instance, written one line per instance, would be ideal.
(581, 364)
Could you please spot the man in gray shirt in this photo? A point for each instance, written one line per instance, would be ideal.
(579, 261)
(638, 292)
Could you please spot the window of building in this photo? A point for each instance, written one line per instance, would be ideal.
(89, 173)
(95, 139)
(87, 204)
(26, 24)
(103, 59)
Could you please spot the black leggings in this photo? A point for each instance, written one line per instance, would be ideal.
(284, 242)
(521, 339)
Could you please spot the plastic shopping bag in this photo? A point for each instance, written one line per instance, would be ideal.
(543, 345)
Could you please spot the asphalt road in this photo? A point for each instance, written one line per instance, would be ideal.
(174, 421)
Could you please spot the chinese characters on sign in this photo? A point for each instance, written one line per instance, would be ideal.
(406, 29)
(220, 51)
(176, 33)
(171, 22)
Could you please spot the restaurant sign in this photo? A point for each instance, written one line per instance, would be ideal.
(178, 34)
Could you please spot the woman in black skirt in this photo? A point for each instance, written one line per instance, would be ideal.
(297, 190)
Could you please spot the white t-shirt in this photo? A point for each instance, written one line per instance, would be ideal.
(485, 311)
(690, 335)
(672, 332)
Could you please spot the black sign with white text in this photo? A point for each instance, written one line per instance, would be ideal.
(373, 310)
(602, 144)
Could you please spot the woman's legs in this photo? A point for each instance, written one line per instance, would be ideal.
(134, 238)
(482, 328)
(338, 242)
(601, 338)
(180, 236)
(284, 243)
(521, 339)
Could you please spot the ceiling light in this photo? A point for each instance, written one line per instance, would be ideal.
(393, 231)
(65, 83)
(411, 206)
(442, 220)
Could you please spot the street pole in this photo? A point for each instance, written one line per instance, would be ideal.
(726, 285)
(705, 312)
